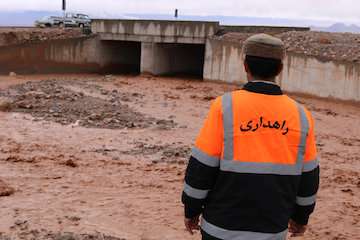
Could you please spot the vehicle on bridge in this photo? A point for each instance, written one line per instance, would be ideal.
(77, 20)
(69, 20)
(49, 21)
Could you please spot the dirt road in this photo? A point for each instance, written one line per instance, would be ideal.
(94, 157)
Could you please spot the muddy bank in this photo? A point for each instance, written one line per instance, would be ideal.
(67, 103)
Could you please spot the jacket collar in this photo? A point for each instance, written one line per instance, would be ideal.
(263, 87)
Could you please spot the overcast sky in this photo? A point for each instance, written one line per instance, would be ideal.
(334, 10)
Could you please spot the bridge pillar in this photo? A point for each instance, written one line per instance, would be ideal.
(154, 59)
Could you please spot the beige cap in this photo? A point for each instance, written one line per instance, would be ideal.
(264, 45)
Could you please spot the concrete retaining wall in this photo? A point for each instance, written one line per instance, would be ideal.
(70, 55)
(86, 55)
(302, 74)
(309, 75)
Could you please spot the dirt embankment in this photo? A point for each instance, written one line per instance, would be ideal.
(14, 36)
(95, 180)
(322, 45)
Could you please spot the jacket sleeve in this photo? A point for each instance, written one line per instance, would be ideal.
(309, 183)
(203, 167)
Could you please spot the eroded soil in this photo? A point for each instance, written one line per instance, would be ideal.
(78, 103)
(325, 46)
(17, 35)
(119, 174)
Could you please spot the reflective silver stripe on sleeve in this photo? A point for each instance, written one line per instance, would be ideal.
(304, 126)
(306, 201)
(259, 168)
(205, 158)
(310, 165)
(239, 235)
(195, 193)
(228, 123)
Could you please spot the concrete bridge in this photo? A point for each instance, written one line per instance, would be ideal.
(159, 47)
(177, 48)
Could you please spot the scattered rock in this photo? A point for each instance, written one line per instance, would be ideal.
(104, 92)
(71, 163)
(73, 218)
(184, 87)
(109, 78)
(20, 222)
(171, 97)
(170, 153)
(52, 100)
(209, 98)
(5, 189)
(324, 40)
(203, 98)
(165, 124)
(5, 104)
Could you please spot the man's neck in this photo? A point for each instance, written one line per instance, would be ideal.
(264, 81)
(253, 79)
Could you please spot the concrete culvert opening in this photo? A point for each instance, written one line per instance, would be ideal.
(121, 57)
(181, 59)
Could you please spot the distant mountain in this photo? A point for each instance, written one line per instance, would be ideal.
(23, 18)
(339, 27)
(237, 20)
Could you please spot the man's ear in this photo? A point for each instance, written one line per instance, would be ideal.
(281, 67)
(246, 66)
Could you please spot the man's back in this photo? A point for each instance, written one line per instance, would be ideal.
(266, 165)
(254, 166)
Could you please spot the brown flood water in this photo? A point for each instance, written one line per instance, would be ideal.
(83, 177)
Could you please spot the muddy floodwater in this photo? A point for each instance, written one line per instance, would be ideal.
(103, 157)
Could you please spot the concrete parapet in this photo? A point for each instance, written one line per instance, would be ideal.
(154, 30)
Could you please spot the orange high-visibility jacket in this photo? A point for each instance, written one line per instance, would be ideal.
(254, 166)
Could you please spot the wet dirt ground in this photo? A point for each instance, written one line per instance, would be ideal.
(103, 157)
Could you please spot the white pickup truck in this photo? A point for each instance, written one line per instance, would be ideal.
(49, 21)
(70, 20)
(77, 20)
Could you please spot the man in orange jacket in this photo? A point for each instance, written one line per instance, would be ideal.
(253, 173)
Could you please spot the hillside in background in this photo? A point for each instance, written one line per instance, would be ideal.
(236, 20)
(339, 27)
(27, 18)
